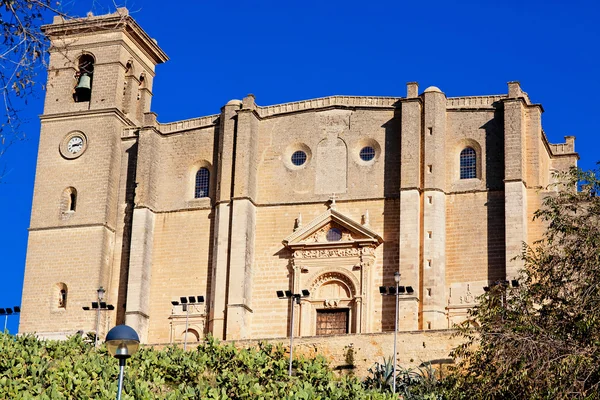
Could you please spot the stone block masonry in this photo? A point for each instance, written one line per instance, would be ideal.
(331, 195)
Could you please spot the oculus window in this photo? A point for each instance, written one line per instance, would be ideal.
(298, 158)
(367, 153)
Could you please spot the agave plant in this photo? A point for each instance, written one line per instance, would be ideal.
(420, 383)
(381, 375)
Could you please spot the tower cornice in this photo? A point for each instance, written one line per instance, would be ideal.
(115, 22)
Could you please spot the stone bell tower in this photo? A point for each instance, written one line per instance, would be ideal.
(99, 87)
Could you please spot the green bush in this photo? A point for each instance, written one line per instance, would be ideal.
(74, 369)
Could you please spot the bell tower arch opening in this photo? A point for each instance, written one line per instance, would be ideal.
(85, 75)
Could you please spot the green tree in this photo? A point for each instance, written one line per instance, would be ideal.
(22, 57)
(541, 340)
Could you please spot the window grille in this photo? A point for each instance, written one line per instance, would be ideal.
(202, 183)
(298, 158)
(367, 153)
(468, 163)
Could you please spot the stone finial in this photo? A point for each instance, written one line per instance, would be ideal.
(412, 90)
(249, 102)
(514, 90)
(570, 140)
(365, 218)
(149, 119)
(332, 199)
(298, 223)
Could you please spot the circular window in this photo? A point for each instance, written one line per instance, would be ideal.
(298, 158)
(334, 234)
(367, 153)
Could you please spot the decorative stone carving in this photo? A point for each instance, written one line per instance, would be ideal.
(328, 253)
(331, 201)
(332, 303)
(320, 236)
(334, 276)
(341, 121)
(469, 297)
(365, 218)
(368, 251)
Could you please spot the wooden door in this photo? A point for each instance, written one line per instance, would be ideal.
(332, 322)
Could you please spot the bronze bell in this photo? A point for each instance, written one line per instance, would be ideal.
(83, 89)
(85, 82)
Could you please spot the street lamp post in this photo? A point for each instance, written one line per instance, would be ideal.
(186, 302)
(101, 292)
(396, 291)
(9, 311)
(122, 341)
(284, 295)
(99, 306)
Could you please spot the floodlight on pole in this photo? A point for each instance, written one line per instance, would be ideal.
(99, 306)
(9, 311)
(185, 303)
(396, 291)
(285, 295)
(504, 284)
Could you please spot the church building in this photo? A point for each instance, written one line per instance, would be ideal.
(201, 226)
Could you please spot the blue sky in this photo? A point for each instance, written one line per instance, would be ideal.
(293, 50)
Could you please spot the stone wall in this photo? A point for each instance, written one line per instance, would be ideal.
(357, 353)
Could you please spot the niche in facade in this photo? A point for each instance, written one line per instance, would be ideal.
(332, 164)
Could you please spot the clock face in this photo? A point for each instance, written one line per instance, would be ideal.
(75, 144)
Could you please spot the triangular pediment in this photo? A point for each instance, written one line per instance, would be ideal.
(314, 234)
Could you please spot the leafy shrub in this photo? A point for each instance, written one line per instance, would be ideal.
(74, 369)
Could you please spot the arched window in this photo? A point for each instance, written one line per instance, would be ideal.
(85, 75)
(72, 201)
(468, 163)
(62, 295)
(202, 183)
(68, 200)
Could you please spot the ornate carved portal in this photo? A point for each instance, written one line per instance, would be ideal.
(332, 257)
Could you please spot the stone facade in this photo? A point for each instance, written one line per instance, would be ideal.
(331, 195)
